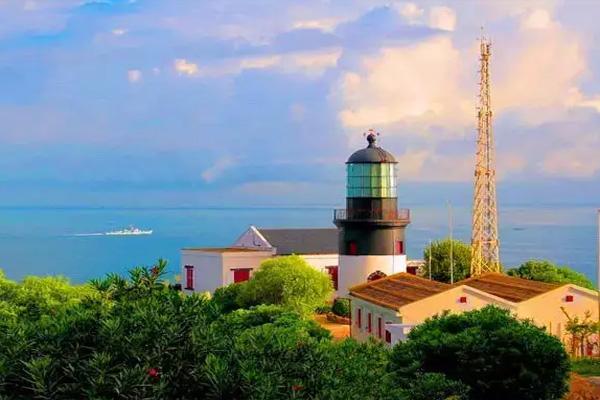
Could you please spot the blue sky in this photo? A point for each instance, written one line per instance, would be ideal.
(183, 103)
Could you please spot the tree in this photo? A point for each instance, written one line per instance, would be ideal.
(440, 260)
(546, 271)
(287, 281)
(496, 355)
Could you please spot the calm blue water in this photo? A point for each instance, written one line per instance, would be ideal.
(44, 241)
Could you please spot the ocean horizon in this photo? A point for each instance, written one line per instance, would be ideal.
(68, 241)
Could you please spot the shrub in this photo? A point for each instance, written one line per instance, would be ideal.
(545, 271)
(586, 366)
(341, 307)
(227, 297)
(287, 281)
(497, 356)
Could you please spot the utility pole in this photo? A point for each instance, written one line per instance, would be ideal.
(451, 243)
(485, 254)
(431, 251)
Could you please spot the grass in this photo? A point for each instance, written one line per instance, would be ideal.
(586, 366)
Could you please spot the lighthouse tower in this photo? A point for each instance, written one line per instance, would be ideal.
(371, 227)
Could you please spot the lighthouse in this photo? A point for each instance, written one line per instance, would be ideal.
(371, 228)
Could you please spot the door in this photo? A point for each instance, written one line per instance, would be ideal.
(333, 274)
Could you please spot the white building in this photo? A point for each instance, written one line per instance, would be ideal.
(206, 269)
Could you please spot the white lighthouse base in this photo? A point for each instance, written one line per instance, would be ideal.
(354, 270)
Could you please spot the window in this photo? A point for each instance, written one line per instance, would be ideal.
(569, 298)
(376, 275)
(352, 248)
(369, 327)
(358, 318)
(462, 299)
(388, 336)
(399, 247)
(333, 274)
(241, 274)
(379, 327)
(411, 270)
(189, 277)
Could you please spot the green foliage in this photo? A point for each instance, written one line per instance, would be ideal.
(586, 366)
(497, 356)
(287, 281)
(38, 296)
(545, 271)
(440, 260)
(341, 307)
(227, 297)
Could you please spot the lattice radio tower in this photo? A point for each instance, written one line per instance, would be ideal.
(484, 239)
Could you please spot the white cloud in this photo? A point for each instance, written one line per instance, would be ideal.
(134, 75)
(212, 173)
(184, 67)
(323, 24)
(417, 85)
(537, 19)
(309, 63)
(119, 31)
(410, 11)
(442, 18)
(577, 161)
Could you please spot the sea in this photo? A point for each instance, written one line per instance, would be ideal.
(68, 241)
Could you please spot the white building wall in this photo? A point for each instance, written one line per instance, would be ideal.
(232, 261)
(354, 270)
(207, 270)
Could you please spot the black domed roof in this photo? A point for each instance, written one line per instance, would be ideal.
(371, 154)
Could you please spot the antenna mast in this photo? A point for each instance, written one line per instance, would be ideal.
(484, 240)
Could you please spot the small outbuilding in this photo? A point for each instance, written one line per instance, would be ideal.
(389, 307)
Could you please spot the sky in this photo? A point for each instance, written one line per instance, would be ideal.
(238, 102)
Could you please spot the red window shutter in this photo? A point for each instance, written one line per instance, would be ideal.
(569, 298)
(333, 274)
(352, 248)
(189, 277)
(369, 327)
(411, 270)
(462, 299)
(359, 318)
(379, 327)
(241, 275)
(399, 247)
(388, 336)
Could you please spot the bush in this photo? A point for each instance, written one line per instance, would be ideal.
(287, 281)
(545, 271)
(497, 356)
(227, 297)
(440, 260)
(341, 307)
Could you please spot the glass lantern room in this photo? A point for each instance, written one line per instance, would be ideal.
(371, 180)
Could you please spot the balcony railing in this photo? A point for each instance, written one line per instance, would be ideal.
(343, 214)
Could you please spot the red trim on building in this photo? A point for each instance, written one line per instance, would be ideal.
(388, 336)
(379, 327)
(359, 318)
(399, 247)
(241, 274)
(333, 274)
(369, 326)
(189, 277)
(352, 248)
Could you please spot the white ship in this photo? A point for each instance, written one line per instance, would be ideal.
(130, 231)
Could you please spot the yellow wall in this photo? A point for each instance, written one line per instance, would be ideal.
(545, 310)
(417, 312)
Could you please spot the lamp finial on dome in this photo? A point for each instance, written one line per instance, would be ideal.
(371, 135)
